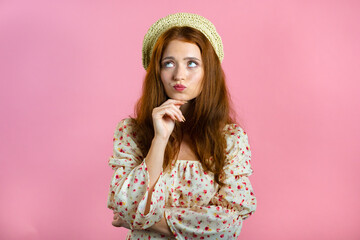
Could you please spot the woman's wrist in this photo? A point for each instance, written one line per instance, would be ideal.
(160, 141)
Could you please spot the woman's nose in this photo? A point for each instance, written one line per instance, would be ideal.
(179, 73)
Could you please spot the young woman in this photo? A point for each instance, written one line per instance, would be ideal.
(182, 165)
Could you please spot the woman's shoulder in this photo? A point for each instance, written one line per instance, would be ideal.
(126, 127)
(236, 139)
(233, 129)
(129, 122)
(126, 124)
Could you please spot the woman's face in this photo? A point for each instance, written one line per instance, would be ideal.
(182, 70)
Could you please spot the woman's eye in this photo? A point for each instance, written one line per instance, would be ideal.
(168, 64)
(192, 64)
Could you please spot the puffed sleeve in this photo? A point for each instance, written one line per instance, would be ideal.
(222, 218)
(130, 182)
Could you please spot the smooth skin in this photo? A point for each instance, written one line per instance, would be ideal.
(181, 64)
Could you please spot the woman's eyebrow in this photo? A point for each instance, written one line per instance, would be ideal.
(192, 58)
(186, 58)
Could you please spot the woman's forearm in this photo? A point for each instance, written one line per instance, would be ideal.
(154, 161)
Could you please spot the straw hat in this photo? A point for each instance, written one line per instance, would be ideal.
(180, 19)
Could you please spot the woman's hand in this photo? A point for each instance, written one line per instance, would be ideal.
(161, 227)
(164, 117)
(119, 222)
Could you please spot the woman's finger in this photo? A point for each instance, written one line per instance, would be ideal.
(116, 223)
(169, 112)
(174, 109)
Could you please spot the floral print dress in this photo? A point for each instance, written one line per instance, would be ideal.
(194, 206)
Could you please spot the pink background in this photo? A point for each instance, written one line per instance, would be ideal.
(70, 70)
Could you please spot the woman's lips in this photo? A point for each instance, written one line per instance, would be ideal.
(179, 87)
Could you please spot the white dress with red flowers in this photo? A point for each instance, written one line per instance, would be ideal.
(194, 206)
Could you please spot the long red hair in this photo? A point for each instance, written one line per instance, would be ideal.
(207, 114)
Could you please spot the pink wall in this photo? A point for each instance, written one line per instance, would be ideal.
(70, 70)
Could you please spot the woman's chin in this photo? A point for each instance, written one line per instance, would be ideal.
(180, 98)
